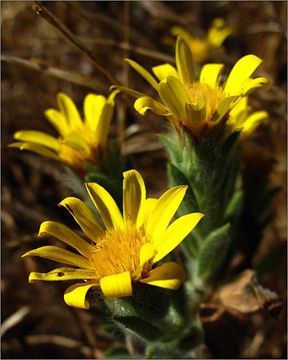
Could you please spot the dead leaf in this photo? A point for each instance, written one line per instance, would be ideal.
(246, 295)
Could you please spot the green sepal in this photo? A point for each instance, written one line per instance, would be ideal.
(147, 301)
(230, 141)
(151, 313)
(213, 252)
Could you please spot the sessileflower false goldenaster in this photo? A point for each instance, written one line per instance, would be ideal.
(124, 249)
(195, 104)
(80, 142)
(202, 48)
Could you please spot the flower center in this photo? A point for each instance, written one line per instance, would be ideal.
(203, 93)
(118, 251)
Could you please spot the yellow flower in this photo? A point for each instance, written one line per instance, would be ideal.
(201, 48)
(191, 103)
(122, 251)
(79, 142)
(243, 118)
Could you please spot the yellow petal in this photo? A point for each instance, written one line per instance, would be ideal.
(181, 32)
(242, 105)
(218, 32)
(253, 84)
(145, 103)
(241, 73)
(164, 210)
(69, 111)
(118, 285)
(255, 119)
(147, 253)
(164, 70)
(60, 255)
(75, 295)
(76, 142)
(112, 95)
(106, 206)
(173, 95)
(147, 208)
(63, 274)
(93, 107)
(210, 74)
(195, 115)
(84, 217)
(169, 275)
(143, 72)
(224, 107)
(175, 233)
(38, 137)
(69, 237)
(103, 125)
(36, 148)
(57, 120)
(134, 194)
(127, 90)
(184, 62)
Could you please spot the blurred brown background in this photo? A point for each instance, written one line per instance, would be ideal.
(36, 322)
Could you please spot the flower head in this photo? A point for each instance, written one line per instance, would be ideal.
(201, 48)
(196, 104)
(124, 248)
(242, 117)
(80, 142)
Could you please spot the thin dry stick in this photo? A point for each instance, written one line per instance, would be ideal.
(125, 75)
(73, 77)
(69, 37)
(137, 49)
(58, 340)
(87, 331)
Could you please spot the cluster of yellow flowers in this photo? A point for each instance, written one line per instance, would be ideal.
(125, 248)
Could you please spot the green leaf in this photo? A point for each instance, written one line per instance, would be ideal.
(212, 253)
(176, 177)
(119, 353)
(234, 207)
(139, 327)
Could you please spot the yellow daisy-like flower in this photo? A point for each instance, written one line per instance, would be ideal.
(201, 48)
(242, 117)
(123, 250)
(195, 104)
(80, 142)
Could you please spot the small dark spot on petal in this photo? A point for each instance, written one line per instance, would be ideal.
(59, 274)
